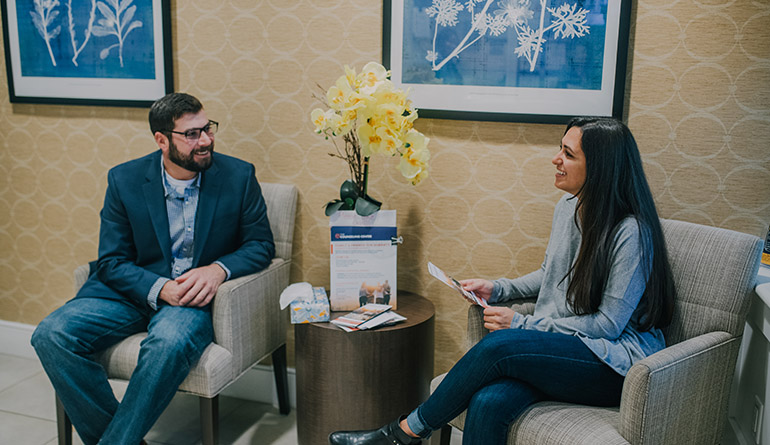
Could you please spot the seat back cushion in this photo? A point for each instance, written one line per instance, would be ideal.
(714, 272)
(281, 201)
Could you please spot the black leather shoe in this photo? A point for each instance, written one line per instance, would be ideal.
(390, 434)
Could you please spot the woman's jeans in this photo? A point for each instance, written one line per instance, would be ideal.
(509, 370)
(67, 340)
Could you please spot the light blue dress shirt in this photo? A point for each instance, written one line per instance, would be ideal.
(181, 205)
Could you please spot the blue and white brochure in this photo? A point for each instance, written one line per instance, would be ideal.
(363, 259)
(454, 284)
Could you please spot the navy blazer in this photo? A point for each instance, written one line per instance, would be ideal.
(231, 226)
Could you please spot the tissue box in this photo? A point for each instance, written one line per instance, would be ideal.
(311, 311)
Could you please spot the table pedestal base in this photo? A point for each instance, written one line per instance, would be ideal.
(362, 380)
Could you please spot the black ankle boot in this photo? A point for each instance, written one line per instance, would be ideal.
(390, 434)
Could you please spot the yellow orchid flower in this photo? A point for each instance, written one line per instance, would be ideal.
(345, 121)
(372, 75)
(412, 169)
(415, 155)
(318, 116)
(336, 98)
(368, 138)
(419, 177)
(390, 143)
(411, 113)
(341, 96)
(416, 141)
(335, 122)
(376, 71)
(350, 76)
(372, 116)
(386, 94)
(377, 139)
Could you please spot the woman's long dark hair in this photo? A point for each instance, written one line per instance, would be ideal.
(616, 188)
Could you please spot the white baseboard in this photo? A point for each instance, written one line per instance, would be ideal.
(257, 384)
(733, 434)
(16, 338)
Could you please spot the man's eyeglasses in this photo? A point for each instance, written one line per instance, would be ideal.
(192, 135)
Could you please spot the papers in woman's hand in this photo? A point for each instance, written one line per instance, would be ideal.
(454, 284)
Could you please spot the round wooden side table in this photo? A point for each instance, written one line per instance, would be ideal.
(364, 379)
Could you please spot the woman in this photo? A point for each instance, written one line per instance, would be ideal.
(604, 292)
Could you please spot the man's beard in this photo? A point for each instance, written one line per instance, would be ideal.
(188, 162)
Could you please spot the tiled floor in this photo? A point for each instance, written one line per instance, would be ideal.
(27, 415)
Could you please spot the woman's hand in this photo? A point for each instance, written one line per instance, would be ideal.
(482, 288)
(496, 318)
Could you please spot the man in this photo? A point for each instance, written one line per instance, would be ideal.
(386, 292)
(175, 225)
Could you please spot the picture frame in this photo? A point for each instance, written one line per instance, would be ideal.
(88, 52)
(535, 61)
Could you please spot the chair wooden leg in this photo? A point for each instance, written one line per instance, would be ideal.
(445, 435)
(63, 424)
(210, 420)
(281, 379)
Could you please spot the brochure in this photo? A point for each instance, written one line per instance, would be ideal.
(363, 259)
(454, 284)
(387, 319)
(367, 317)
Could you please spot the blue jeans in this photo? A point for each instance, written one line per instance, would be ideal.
(506, 372)
(67, 340)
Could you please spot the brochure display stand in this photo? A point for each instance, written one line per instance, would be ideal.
(363, 259)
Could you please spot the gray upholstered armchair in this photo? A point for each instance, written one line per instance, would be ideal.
(679, 395)
(248, 326)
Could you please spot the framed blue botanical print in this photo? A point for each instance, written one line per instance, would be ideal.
(509, 60)
(87, 52)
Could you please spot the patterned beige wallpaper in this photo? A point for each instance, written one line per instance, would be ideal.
(699, 106)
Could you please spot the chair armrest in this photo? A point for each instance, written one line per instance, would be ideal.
(246, 314)
(81, 275)
(680, 394)
(476, 330)
(525, 306)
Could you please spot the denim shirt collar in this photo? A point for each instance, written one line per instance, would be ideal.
(171, 191)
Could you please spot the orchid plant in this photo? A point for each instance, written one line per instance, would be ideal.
(371, 116)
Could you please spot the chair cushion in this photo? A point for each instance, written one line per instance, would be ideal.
(209, 376)
(555, 423)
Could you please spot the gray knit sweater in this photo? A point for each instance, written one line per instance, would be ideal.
(612, 332)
